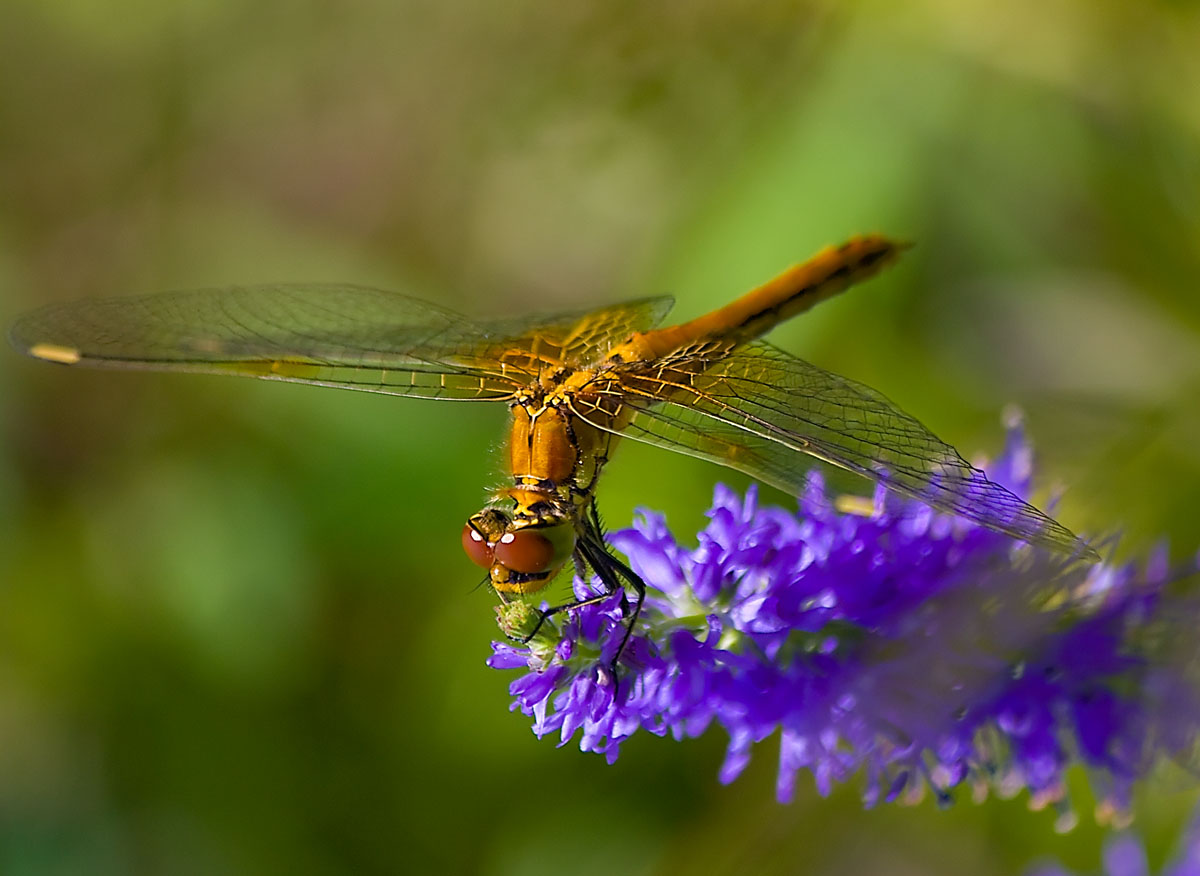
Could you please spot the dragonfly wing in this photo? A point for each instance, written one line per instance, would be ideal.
(761, 411)
(345, 336)
(579, 339)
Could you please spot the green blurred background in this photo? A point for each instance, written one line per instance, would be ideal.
(237, 633)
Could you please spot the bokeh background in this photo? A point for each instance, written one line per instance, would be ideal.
(237, 634)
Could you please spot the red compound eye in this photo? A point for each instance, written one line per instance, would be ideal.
(529, 551)
(480, 552)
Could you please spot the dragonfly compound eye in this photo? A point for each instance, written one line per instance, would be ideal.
(535, 549)
(477, 548)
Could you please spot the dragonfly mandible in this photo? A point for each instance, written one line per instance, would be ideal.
(575, 383)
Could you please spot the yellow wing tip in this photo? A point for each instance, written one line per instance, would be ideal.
(859, 506)
(55, 353)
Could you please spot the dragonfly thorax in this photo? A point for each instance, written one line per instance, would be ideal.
(552, 449)
(528, 533)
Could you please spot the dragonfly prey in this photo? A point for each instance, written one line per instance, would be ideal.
(575, 383)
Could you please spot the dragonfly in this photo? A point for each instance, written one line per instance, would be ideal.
(575, 384)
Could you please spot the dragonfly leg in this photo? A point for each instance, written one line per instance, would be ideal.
(593, 553)
(583, 563)
(546, 613)
(625, 579)
(616, 569)
(614, 574)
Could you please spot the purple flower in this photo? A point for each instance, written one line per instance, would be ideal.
(883, 639)
(1124, 855)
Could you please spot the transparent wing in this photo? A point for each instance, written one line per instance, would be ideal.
(345, 336)
(584, 338)
(761, 411)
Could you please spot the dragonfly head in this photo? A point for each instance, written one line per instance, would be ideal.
(520, 553)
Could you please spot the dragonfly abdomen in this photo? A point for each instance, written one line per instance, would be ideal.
(800, 287)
